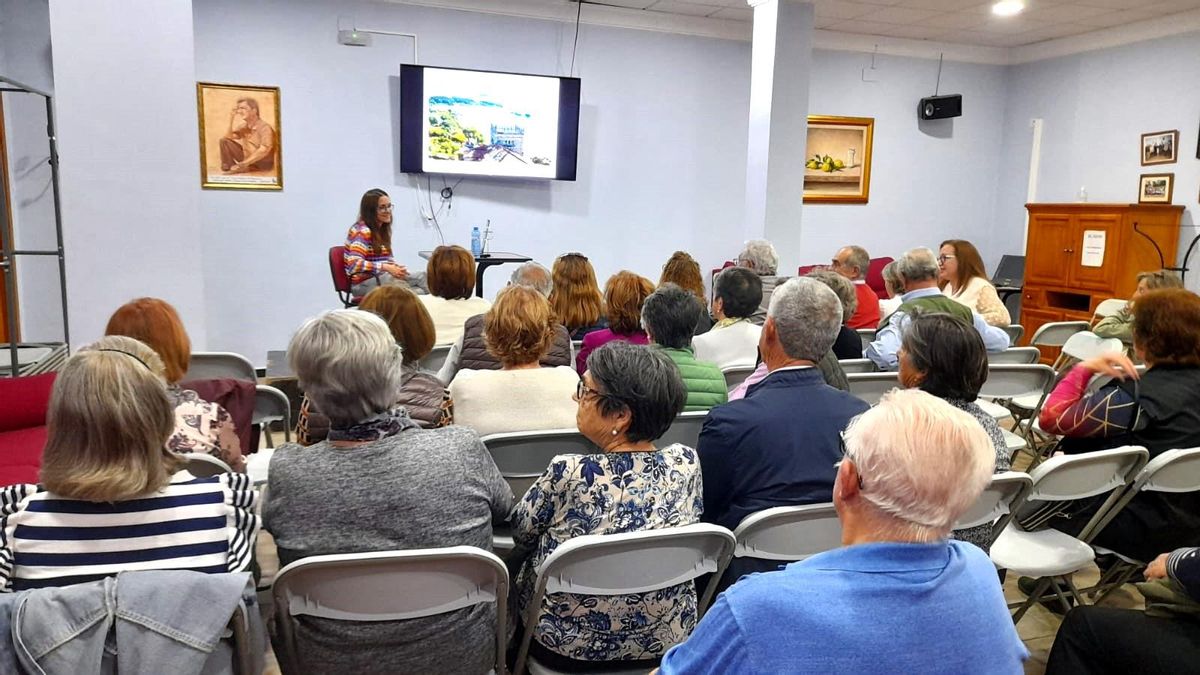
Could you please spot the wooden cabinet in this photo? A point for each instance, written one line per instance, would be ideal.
(1062, 285)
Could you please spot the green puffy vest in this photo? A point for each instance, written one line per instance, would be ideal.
(938, 303)
(704, 381)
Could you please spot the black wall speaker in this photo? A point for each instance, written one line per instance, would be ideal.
(940, 107)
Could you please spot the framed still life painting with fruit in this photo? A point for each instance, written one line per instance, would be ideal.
(837, 159)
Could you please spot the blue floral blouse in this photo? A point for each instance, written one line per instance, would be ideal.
(609, 494)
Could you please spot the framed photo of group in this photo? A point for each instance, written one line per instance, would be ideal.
(239, 137)
(1160, 147)
(1156, 188)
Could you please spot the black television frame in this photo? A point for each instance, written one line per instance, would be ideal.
(412, 123)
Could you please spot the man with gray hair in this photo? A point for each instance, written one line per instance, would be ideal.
(899, 596)
(853, 262)
(918, 273)
(470, 352)
(777, 446)
(759, 256)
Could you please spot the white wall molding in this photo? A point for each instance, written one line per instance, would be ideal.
(1141, 31)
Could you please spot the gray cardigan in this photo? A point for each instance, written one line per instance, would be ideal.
(421, 488)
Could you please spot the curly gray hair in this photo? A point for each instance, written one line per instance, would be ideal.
(760, 256)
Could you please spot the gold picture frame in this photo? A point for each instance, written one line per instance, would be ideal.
(837, 159)
(236, 121)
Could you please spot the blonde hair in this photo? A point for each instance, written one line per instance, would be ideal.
(108, 424)
(575, 296)
(519, 327)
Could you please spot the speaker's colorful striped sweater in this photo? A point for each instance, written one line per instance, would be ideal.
(361, 261)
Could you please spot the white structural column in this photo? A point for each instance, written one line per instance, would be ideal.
(780, 64)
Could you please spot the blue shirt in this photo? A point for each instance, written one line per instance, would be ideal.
(887, 341)
(870, 608)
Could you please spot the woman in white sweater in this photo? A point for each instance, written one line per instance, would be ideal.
(964, 278)
(521, 396)
(451, 300)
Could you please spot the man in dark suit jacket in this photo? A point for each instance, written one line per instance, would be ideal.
(778, 445)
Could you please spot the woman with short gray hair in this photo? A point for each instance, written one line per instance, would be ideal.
(848, 345)
(379, 482)
(628, 398)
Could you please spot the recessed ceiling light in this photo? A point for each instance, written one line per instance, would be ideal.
(1008, 7)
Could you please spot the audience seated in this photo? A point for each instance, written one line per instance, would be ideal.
(522, 395)
(1120, 325)
(628, 397)
(733, 340)
(943, 356)
(898, 597)
(963, 277)
(470, 352)
(421, 393)
(1156, 641)
(683, 271)
(777, 446)
(623, 297)
(759, 256)
(852, 262)
(200, 426)
(918, 271)
(1159, 410)
(669, 315)
(451, 278)
(108, 502)
(895, 288)
(380, 483)
(575, 295)
(848, 345)
(831, 371)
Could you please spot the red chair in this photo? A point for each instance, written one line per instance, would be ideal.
(875, 276)
(23, 405)
(341, 282)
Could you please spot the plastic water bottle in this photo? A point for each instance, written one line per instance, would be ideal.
(476, 243)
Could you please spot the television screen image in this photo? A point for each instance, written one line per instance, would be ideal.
(468, 122)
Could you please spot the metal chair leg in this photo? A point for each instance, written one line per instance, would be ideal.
(1033, 597)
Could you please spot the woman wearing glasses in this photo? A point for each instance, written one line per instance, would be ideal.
(961, 276)
(368, 257)
(628, 398)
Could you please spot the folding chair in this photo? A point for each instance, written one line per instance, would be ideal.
(201, 465)
(685, 430)
(735, 375)
(857, 366)
(1174, 471)
(1109, 308)
(788, 533)
(623, 564)
(388, 586)
(217, 365)
(1048, 554)
(1018, 355)
(1054, 335)
(1027, 382)
(997, 503)
(272, 405)
(435, 359)
(871, 387)
(866, 336)
(1015, 332)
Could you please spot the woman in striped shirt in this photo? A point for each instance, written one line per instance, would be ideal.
(368, 257)
(109, 501)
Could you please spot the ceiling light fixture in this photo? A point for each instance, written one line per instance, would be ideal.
(1008, 7)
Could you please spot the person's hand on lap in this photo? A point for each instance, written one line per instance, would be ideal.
(1157, 569)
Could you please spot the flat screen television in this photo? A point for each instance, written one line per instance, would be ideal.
(484, 123)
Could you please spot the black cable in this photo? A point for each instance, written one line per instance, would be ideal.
(1162, 262)
(575, 45)
(938, 87)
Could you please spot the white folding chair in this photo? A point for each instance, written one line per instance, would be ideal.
(624, 564)
(871, 387)
(1055, 334)
(272, 405)
(1018, 355)
(1086, 344)
(1048, 554)
(866, 336)
(201, 465)
(1024, 382)
(1108, 308)
(857, 366)
(217, 365)
(1015, 332)
(1174, 471)
(388, 586)
(735, 375)
(685, 430)
(997, 503)
(788, 533)
(435, 359)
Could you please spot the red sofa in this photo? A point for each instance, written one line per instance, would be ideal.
(23, 405)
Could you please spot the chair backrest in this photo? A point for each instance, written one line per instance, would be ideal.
(1015, 332)
(1110, 307)
(271, 405)
(1172, 471)
(1055, 333)
(337, 269)
(435, 359)
(201, 465)
(1010, 380)
(866, 336)
(998, 502)
(788, 533)
(632, 562)
(522, 456)
(875, 275)
(735, 375)
(857, 366)
(1086, 344)
(217, 365)
(390, 586)
(685, 429)
(1017, 355)
(871, 387)
(1067, 477)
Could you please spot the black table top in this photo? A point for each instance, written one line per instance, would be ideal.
(494, 257)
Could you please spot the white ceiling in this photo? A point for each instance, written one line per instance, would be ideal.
(968, 22)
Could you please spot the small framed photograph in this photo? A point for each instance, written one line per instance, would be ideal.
(1156, 188)
(1159, 147)
(239, 137)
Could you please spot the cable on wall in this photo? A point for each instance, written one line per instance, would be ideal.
(575, 43)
